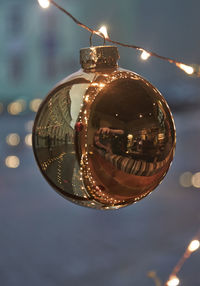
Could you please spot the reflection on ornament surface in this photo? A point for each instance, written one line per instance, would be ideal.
(104, 137)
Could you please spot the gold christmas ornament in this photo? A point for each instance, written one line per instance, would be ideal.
(104, 137)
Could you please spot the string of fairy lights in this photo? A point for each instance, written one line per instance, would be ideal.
(187, 179)
(192, 70)
(173, 279)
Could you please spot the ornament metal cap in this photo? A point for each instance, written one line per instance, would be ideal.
(99, 57)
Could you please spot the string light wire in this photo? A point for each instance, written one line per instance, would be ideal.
(193, 70)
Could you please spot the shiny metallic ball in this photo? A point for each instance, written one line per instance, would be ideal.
(104, 138)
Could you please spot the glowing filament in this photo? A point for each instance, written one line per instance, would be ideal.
(44, 3)
(103, 30)
(185, 68)
(144, 55)
(194, 245)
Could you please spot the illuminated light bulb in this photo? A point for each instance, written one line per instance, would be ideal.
(13, 139)
(194, 245)
(103, 30)
(196, 180)
(35, 104)
(188, 69)
(186, 179)
(12, 162)
(144, 55)
(28, 139)
(44, 3)
(173, 281)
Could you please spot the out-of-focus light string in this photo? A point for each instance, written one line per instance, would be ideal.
(192, 247)
(173, 279)
(193, 70)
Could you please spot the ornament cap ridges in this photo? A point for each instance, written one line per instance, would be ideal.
(98, 57)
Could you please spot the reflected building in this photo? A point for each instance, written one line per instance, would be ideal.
(36, 50)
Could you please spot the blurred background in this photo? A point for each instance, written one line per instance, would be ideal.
(46, 240)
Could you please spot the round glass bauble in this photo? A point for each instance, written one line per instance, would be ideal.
(104, 138)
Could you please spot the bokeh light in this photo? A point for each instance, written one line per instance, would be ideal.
(16, 107)
(28, 139)
(29, 125)
(194, 245)
(13, 139)
(35, 104)
(12, 162)
(173, 281)
(186, 179)
(196, 180)
(44, 3)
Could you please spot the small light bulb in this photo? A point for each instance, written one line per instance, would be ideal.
(103, 30)
(44, 3)
(194, 245)
(173, 281)
(144, 55)
(185, 68)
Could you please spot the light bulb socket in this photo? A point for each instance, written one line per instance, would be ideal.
(99, 57)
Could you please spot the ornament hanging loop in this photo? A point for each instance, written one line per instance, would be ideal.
(100, 35)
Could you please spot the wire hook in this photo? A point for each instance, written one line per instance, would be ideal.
(100, 34)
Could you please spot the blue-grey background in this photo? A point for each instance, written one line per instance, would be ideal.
(47, 241)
